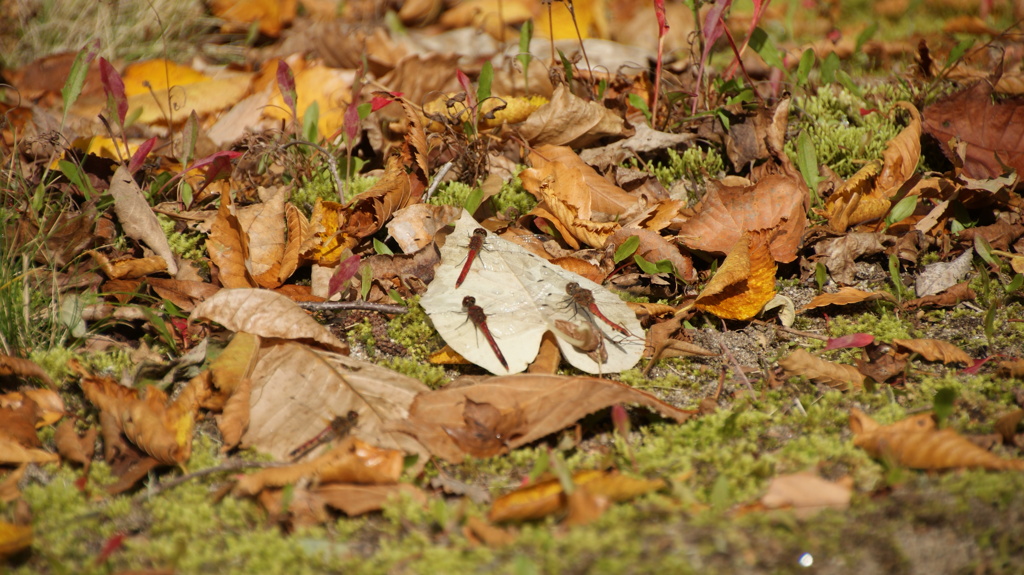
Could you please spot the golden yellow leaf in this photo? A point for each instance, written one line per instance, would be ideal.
(744, 283)
(14, 538)
(329, 88)
(322, 244)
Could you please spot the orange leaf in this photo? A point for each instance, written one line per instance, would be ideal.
(14, 538)
(744, 283)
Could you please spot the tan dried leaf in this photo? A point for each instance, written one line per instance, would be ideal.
(547, 404)
(74, 448)
(570, 121)
(18, 367)
(916, 443)
(935, 350)
(234, 420)
(836, 375)
(228, 246)
(137, 218)
(266, 314)
(846, 296)
(806, 494)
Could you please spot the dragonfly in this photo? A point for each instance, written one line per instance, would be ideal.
(479, 318)
(584, 298)
(340, 426)
(476, 242)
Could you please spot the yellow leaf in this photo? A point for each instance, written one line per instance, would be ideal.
(744, 283)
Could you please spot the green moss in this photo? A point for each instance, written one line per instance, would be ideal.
(452, 193)
(514, 196)
(413, 331)
(695, 164)
(431, 375)
(884, 325)
(321, 187)
(189, 245)
(843, 139)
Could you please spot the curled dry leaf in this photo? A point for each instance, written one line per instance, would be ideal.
(73, 448)
(228, 245)
(1012, 368)
(547, 497)
(577, 183)
(137, 218)
(949, 298)
(846, 296)
(369, 211)
(532, 405)
(360, 499)
(916, 443)
(775, 203)
(841, 253)
(744, 283)
(1006, 426)
(836, 375)
(265, 314)
(9, 490)
(568, 120)
(934, 350)
(415, 226)
(234, 420)
(13, 452)
(352, 461)
(18, 367)
(806, 494)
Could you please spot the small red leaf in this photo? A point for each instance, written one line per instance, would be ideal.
(659, 12)
(852, 340)
(286, 83)
(467, 88)
(379, 101)
(140, 155)
(112, 544)
(346, 271)
(113, 87)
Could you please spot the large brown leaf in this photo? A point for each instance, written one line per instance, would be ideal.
(775, 203)
(570, 121)
(837, 375)
(531, 406)
(993, 131)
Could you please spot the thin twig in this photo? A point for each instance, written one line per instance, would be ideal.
(739, 368)
(360, 305)
(229, 465)
(441, 173)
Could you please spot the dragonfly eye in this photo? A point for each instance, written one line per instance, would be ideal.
(468, 301)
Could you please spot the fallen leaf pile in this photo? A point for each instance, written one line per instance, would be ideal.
(253, 237)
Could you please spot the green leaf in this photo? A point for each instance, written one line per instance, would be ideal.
(76, 77)
(942, 404)
(990, 320)
(473, 200)
(602, 87)
(381, 248)
(525, 36)
(659, 267)
(904, 208)
(763, 45)
(626, 248)
(637, 102)
(894, 275)
(396, 297)
(866, 35)
(984, 250)
(820, 275)
(76, 176)
(365, 281)
(483, 86)
(540, 466)
(829, 67)
(803, 70)
(189, 137)
(849, 84)
(186, 193)
(959, 51)
(364, 110)
(1015, 284)
(566, 66)
(309, 122)
(807, 162)
(745, 95)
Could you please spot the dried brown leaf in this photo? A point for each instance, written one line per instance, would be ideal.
(744, 283)
(360, 499)
(836, 375)
(570, 121)
(137, 219)
(18, 367)
(846, 296)
(774, 203)
(935, 350)
(806, 494)
(74, 448)
(547, 403)
(265, 314)
(914, 442)
(234, 420)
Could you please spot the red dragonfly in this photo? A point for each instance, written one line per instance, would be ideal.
(584, 298)
(479, 319)
(338, 427)
(476, 242)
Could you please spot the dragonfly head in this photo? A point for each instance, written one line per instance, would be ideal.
(468, 301)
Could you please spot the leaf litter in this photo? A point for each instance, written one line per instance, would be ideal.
(285, 376)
